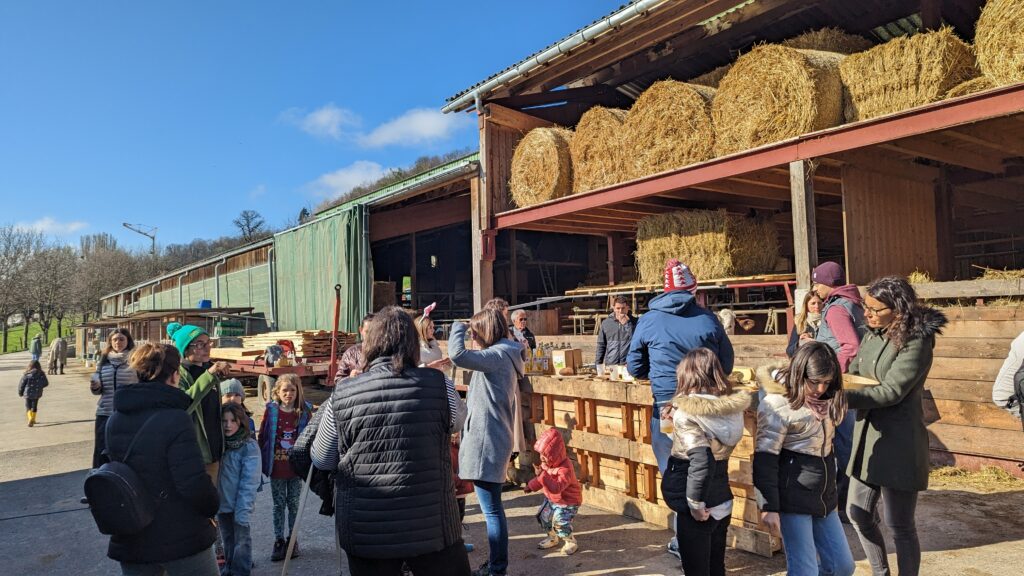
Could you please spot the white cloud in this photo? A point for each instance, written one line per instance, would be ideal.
(334, 184)
(415, 127)
(328, 121)
(51, 227)
(258, 192)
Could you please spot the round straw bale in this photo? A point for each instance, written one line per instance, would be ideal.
(906, 72)
(669, 126)
(596, 150)
(999, 41)
(712, 78)
(541, 166)
(773, 93)
(979, 84)
(829, 40)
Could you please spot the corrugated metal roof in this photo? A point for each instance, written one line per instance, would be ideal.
(436, 173)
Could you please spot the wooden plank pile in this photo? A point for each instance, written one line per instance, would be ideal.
(308, 343)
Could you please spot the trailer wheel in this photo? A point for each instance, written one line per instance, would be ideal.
(263, 387)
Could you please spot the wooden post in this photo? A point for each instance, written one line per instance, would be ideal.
(549, 410)
(931, 14)
(651, 477)
(592, 416)
(614, 258)
(483, 269)
(581, 414)
(944, 229)
(631, 488)
(805, 235)
(645, 424)
(627, 422)
(513, 263)
(581, 457)
(595, 470)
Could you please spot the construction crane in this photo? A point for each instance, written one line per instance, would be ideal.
(147, 231)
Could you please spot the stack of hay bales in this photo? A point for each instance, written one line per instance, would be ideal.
(999, 41)
(541, 167)
(829, 40)
(669, 126)
(773, 93)
(979, 84)
(714, 244)
(906, 72)
(597, 150)
(712, 78)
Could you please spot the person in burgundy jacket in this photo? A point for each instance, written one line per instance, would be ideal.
(842, 327)
(563, 495)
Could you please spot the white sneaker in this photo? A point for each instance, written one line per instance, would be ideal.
(570, 546)
(550, 542)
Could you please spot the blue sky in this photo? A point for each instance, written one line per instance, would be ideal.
(181, 114)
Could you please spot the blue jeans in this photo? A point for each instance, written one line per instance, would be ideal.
(237, 545)
(202, 564)
(489, 495)
(815, 546)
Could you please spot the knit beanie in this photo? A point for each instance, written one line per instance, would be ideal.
(679, 277)
(182, 336)
(232, 386)
(829, 274)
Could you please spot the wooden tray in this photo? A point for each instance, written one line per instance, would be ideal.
(852, 382)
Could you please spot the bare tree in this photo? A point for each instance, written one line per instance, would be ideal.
(47, 288)
(16, 248)
(251, 225)
(103, 270)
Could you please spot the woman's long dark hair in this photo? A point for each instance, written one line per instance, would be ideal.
(392, 334)
(816, 361)
(899, 296)
(700, 372)
(110, 347)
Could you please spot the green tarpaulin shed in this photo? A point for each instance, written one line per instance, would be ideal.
(310, 259)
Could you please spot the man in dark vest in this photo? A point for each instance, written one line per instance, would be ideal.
(386, 432)
(842, 328)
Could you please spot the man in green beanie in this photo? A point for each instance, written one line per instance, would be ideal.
(200, 379)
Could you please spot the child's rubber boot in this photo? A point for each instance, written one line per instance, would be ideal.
(570, 546)
(550, 542)
(31, 418)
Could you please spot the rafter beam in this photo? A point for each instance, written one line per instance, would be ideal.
(953, 156)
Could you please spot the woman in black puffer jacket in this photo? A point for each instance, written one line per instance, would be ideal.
(166, 457)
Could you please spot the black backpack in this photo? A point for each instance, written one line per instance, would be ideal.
(119, 500)
(1017, 400)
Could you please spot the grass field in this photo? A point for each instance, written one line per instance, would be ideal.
(16, 335)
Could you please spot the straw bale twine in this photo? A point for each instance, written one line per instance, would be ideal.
(669, 126)
(999, 41)
(829, 40)
(597, 150)
(905, 72)
(712, 78)
(979, 84)
(541, 166)
(713, 243)
(773, 93)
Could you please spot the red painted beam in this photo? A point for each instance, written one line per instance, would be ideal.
(922, 120)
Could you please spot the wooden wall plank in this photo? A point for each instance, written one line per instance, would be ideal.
(977, 441)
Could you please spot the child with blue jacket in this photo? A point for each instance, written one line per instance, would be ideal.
(238, 481)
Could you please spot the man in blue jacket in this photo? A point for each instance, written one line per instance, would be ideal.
(674, 325)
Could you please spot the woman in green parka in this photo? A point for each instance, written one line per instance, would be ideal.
(890, 443)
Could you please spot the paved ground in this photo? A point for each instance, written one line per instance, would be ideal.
(46, 531)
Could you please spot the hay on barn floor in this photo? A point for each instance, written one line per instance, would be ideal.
(979, 84)
(999, 41)
(997, 274)
(541, 166)
(714, 244)
(597, 150)
(712, 78)
(829, 40)
(905, 72)
(669, 127)
(919, 277)
(773, 93)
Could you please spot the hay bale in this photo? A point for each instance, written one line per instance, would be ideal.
(669, 126)
(714, 244)
(999, 41)
(712, 78)
(597, 150)
(979, 84)
(541, 166)
(829, 40)
(905, 72)
(773, 93)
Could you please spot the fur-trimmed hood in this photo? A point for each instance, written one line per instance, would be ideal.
(708, 405)
(928, 322)
(766, 380)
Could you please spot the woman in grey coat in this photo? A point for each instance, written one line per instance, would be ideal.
(487, 435)
(112, 372)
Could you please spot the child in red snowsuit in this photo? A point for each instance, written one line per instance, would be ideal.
(562, 492)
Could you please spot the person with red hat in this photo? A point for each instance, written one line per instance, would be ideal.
(674, 325)
(842, 327)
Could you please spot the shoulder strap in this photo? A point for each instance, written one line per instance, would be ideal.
(136, 437)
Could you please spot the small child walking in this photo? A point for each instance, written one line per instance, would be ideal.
(286, 416)
(237, 482)
(31, 388)
(562, 493)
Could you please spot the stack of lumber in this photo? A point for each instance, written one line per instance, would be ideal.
(308, 343)
(234, 354)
